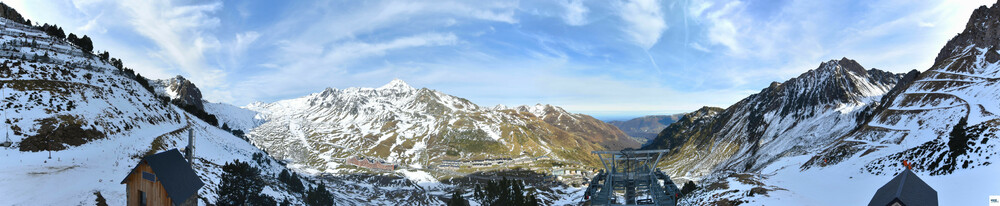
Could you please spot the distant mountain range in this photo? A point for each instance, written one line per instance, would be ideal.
(645, 128)
(416, 128)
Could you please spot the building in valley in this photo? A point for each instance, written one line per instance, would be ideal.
(371, 163)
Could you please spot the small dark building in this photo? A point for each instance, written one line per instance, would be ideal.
(906, 189)
(163, 178)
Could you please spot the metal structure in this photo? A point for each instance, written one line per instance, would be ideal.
(189, 150)
(630, 177)
(6, 131)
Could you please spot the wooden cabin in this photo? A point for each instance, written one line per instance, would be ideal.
(164, 178)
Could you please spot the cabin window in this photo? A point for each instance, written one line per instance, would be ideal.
(142, 198)
(149, 176)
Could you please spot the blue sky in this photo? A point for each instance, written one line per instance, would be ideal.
(604, 58)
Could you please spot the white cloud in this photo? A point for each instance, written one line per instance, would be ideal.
(244, 39)
(320, 24)
(576, 12)
(644, 21)
(304, 67)
(699, 47)
(698, 8)
(93, 26)
(356, 50)
(722, 29)
(240, 45)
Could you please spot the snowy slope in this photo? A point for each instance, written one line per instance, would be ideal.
(64, 86)
(945, 123)
(843, 184)
(235, 117)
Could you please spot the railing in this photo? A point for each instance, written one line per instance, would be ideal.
(633, 174)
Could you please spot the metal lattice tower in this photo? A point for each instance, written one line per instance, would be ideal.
(630, 177)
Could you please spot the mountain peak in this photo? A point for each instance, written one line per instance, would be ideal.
(834, 81)
(397, 84)
(179, 88)
(981, 31)
(844, 63)
(541, 110)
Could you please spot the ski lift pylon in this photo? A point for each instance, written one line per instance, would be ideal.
(6, 133)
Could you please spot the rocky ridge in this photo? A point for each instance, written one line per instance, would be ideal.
(180, 90)
(782, 119)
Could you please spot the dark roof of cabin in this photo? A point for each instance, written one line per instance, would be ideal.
(908, 188)
(174, 173)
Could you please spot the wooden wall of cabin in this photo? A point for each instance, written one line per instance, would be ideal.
(155, 194)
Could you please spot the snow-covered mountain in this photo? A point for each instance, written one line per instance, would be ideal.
(795, 117)
(416, 128)
(845, 129)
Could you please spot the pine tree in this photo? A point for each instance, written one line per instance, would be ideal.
(283, 176)
(60, 33)
(86, 44)
(959, 140)
(688, 188)
(534, 200)
(517, 193)
(478, 193)
(319, 196)
(456, 198)
(72, 38)
(105, 56)
(295, 184)
(241, 185)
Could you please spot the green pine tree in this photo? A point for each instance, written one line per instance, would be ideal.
(456, 198)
